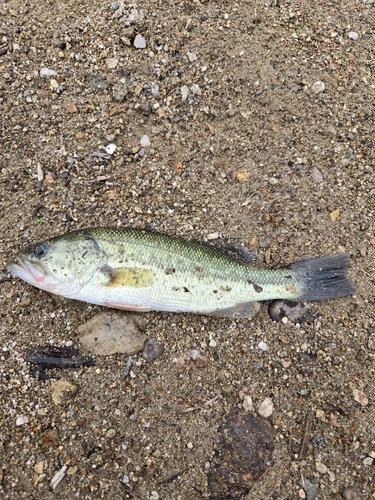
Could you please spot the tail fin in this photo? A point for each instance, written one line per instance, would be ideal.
(324, 277)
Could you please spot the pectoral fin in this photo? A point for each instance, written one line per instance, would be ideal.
(128, 277)
(243, 310)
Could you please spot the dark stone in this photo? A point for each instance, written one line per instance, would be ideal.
(153, 349)
(245, 453)
(296, 312)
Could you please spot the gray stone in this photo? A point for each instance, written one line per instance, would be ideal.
(139, 42)
(119, 92)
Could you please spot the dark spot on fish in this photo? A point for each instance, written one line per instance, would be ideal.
(225, 288)
(288, 277)
(185, 289)
(215, 291)
(198, 269)
(257, 288)
(170, 270)
(175, 288)
(84, 255)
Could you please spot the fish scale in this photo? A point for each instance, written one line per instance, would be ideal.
(141, 270)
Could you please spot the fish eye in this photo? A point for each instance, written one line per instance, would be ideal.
(40, 250)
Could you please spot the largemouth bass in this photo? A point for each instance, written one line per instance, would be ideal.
(140, 270)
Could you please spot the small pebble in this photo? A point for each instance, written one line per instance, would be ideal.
(114, 6)
(317, 175)
(153, 350)
(266, 408)
(190, 446)
(318, 87)
(22, 419)
(353, 35)
(125, 479)
(139, 42)
(119, 92)
(111, 433)
(71, 109)
(47, 73)
(320, 467)
(111, 62)
(263, 346)
(368, 461)
(191, 56)
(360, 397)
(317, 441)
(155, 90)
(110, 148)
(145, 141)
(195, 89)
(185, 91)
(248, 403)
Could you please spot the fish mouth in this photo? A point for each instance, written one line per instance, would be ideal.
(32, 273)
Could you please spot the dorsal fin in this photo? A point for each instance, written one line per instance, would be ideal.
(236, 252)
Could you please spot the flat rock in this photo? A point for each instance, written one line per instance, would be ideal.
(109, 333)
(62, 391)
(247, 444)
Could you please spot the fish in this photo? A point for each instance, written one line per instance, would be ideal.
(141, 270)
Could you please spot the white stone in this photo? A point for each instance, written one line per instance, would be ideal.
(353, 35)
(139, 42)
(185, 91)
(22, 419)
(263, 346)
(318, 87)
(47, 73)
(195, 89)
(110, 148)
(111, 62)
(145, 141)
(266, 408)
(248, 403)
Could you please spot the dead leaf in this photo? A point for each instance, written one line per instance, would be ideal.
(210, 128)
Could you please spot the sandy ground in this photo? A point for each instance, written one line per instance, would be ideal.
(259, 119)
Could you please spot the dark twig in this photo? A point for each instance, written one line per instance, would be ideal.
(307, 434)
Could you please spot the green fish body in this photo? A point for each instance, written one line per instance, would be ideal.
(140, 270)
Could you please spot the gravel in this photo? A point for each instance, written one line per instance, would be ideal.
(250, 119)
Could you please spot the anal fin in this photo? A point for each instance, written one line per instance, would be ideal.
(242, 310)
